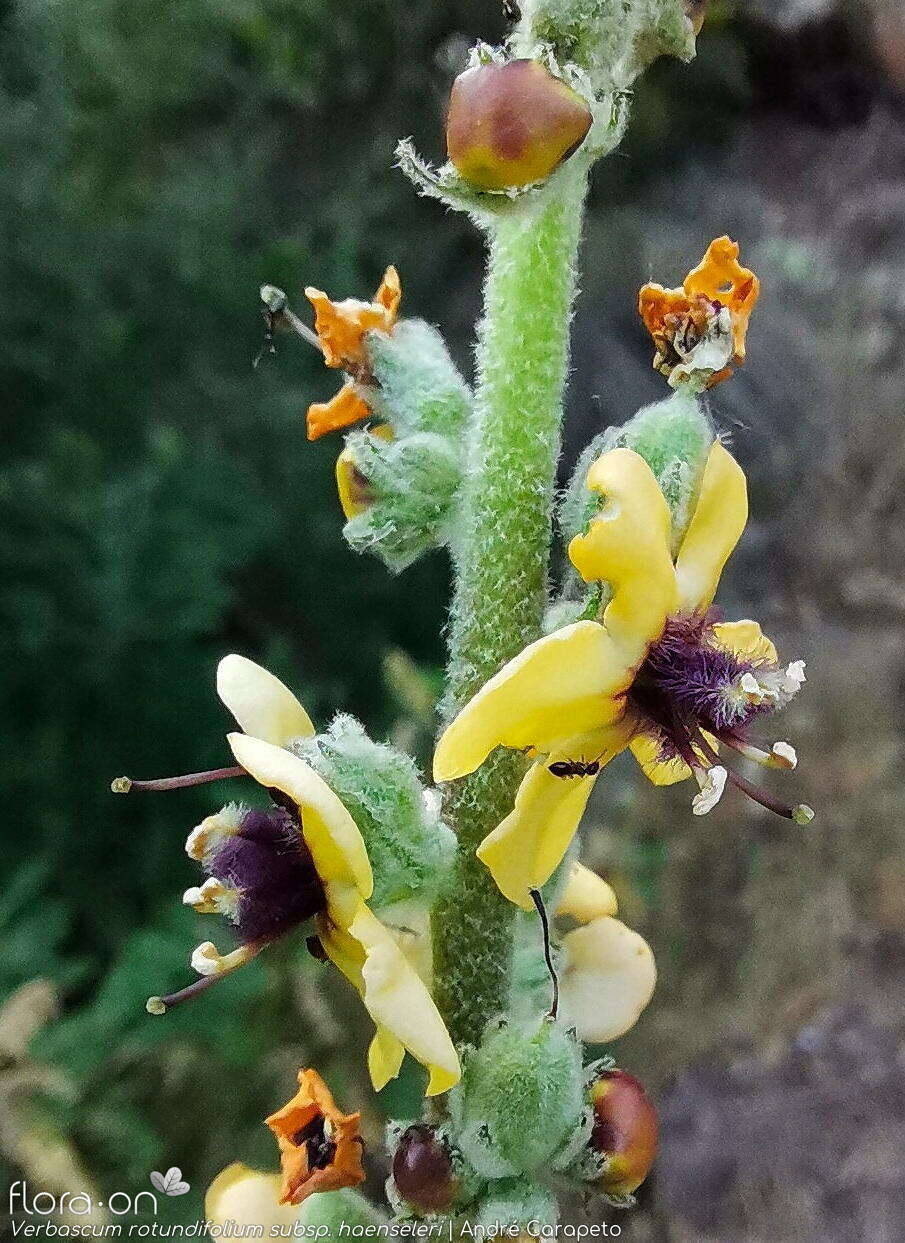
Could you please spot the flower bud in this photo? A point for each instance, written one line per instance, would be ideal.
(522, 1099)
(625, 1131)
(423, 1170)
(512, 124)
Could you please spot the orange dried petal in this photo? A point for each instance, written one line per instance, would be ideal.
(340, 411)
(720, 277)
(339, 1165)
(341, 326)
(655, 303)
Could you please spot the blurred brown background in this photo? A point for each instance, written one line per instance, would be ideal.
(160, 506)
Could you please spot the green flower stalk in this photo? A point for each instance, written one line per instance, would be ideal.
(502, 558)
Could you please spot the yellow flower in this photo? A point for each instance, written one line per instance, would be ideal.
(267, 890)
(606, 970)
(247, 1197)
(342, 328)
(699, 329)
(320, 1146)
(659, 673)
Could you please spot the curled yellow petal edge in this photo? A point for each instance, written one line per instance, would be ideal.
(404, 1013)
(561, 685)
(334, 839)
(627, 545)
(261, 704)
(396, 998)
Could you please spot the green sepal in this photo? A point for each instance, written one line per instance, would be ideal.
(409, 846)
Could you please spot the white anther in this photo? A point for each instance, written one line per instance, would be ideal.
(794, 677)
(207, 959)
(784, 754)
(712, 782)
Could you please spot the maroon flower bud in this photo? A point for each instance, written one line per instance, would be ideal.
(423, 1170)
(625, 1131)
(511, 124)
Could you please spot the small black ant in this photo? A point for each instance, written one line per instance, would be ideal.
(575, 768)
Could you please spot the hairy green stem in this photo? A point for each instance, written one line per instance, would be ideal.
(502, 560)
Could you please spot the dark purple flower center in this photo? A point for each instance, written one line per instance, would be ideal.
(269, 867)
(688, 683)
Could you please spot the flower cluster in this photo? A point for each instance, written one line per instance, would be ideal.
(352, 846)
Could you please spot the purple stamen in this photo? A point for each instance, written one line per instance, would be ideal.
(123, 785)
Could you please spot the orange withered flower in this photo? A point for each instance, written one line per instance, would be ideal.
(320, 1146)
(700, 329)
(341, 328)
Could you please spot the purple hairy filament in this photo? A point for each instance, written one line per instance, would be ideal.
(268, 867)
(690, 686)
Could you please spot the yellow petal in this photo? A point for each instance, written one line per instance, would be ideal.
(562, 685)
(248, 1198)
(336, 845)
(346, 954)
(385, 1054)
(586, 895)
(607, 978)
(627, 545)
(715, 529)
(647, 751)
(526, 848)
(746, 640)
(355, 492)
(399, 1003)
(261, 704)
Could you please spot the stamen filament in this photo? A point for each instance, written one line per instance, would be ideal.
(800, 813)
(780, 755)
(123, 785)
(226, 966)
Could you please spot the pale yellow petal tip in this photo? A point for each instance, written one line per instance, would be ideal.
(586, 895)
(608, 977)
(442, 1079)
(385, 1057)
(246, 1197)
(262, 705)
(156, 1006)
(445, 767)
(512, 874)
(712, 783)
